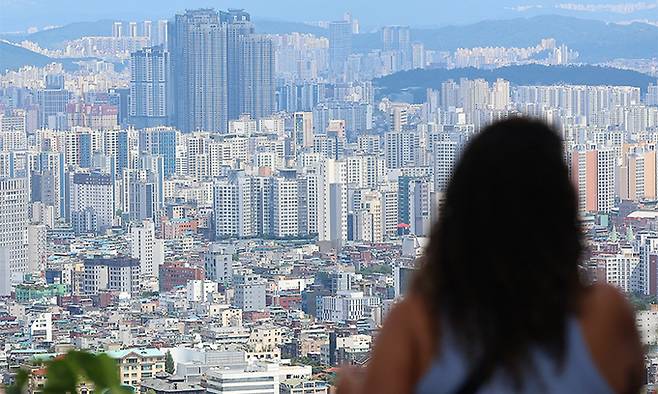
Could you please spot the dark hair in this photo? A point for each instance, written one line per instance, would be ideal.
(501, 267)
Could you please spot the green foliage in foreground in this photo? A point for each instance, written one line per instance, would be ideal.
(20, 383)
(65, 373)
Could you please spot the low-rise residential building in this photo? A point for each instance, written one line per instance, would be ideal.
(301, 386)
(261, 378)
(137, 364)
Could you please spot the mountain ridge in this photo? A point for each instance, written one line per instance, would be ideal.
(21, 14)
(595, 40)
(415, 82)
(13, 57)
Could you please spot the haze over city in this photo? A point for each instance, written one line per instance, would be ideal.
(223, 196)
(19, 15)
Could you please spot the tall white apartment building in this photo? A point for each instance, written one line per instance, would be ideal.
(302, 129)
(474, 93)
(148, 249)
(162, 32)
(369, 219)
(399, 117)
(92, 202)
(647, 247)
(233, 208)
(593, 175)
(365, 171)
(447, 150)
(6, 272)
(500, 94)
(418, 55)
(330, 188)
(390, 209)
(13, 228)
(36, 247)
(132, 29)
(13, 135)
(117, 28)
(636, 175)
(149, 80)
(401, 148)
(285, 207)
(52, 179)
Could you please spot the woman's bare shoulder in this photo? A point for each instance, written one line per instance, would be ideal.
(412, 304)
(404, 348)
(608, 323)
(603, 302)
(421, 322)
(414, 313)
(606, 316)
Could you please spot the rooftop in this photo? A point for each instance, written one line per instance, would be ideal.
(170, 383)
(643, 215)
(143, 352)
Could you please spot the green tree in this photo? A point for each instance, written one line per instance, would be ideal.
(169, 363)
(376, 269)
(63, 374)
(20, 382)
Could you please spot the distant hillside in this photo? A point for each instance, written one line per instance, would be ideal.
(54, 38)
(415, 82)
(266, 26)
(595, 40)
(13, 57)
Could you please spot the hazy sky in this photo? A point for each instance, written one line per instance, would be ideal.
(21, 14)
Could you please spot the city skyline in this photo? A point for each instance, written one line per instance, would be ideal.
(221, 208)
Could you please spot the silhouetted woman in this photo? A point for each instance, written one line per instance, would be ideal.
(498, 305)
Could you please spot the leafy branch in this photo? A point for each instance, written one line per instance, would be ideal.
(63, 374)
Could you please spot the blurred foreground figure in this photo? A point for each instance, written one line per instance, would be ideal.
(498, 305)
